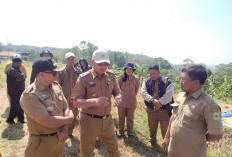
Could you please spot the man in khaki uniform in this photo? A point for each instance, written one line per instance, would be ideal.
(129, 85)
(92, 93)
(47, 112)
(67, 79)
(157, 92)
(196, 117)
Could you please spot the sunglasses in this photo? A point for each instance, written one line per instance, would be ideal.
(54, 73)
(103, 64)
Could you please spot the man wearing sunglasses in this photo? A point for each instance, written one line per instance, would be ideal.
(47, 112)
(43, 54)
(92, 93)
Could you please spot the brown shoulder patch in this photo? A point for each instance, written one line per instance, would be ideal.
(30, 88)
(84, 74)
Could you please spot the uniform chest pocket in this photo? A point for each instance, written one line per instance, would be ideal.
(109, 89)
(132, 87)
(49, 104)
(190, 120)
(124, 87)
(91, 92)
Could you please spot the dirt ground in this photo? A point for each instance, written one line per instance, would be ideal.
(14, 138)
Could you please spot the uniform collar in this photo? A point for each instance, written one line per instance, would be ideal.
(197, 93)
(95, 74)
(160, 78)
(74, 69)
(131, 78)
(69, 68)
(41, 86)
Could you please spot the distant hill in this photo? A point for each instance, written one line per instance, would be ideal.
(118, 58)
(26, 48)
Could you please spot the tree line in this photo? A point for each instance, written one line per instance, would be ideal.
(85, 50)
(218, 84)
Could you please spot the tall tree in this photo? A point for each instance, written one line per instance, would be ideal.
(87, 50)
(187, 61)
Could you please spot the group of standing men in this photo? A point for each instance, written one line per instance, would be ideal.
(51, 105)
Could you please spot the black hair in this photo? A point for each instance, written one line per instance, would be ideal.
(86, 63)
(42, 53)
(196, 72)
(43, 64)
(17, 60)
(124, 76)
(155, 67)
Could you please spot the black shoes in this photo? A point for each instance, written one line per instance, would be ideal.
(121, 135)
(71, 136)
(22, 121)
(10, 121)
(130, 136)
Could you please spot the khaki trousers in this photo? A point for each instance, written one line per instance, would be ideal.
(71, 126)
(47, 146)
(154, 118)
(91, 128)
(128, 114)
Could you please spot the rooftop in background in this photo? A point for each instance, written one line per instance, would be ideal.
(7, 54)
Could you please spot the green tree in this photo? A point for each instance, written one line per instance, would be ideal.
(187, 61)
(164, 64)
(142, 73)
(87, 50)
(1, 46)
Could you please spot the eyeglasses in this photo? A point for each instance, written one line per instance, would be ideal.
(54, 73)
(103, 64)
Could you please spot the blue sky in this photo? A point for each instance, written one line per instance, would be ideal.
(172, 29)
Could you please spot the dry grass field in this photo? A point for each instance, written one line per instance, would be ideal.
(13, 138)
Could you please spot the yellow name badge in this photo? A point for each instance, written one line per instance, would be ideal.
(216, 115)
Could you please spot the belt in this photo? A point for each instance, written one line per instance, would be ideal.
(165, 107)
(96, 116)
(52, 134)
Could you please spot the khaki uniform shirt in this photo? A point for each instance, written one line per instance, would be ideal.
(194, 116)
(38, 100)
(129, 90)
(90, 85)
(67, 81)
